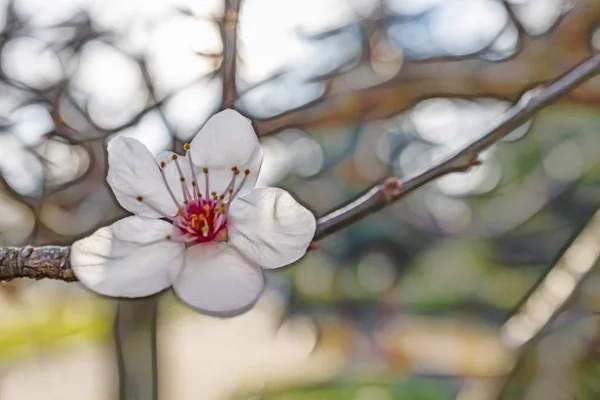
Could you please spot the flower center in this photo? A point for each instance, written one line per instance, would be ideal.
(204, 220)
(203, 215)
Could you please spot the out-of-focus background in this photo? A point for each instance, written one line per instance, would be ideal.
(409, 303)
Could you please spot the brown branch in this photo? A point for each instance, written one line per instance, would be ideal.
(229, 28)
(395, 188)
(538, 59)
(53, 262)
(46, 262)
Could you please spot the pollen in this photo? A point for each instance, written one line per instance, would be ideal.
(163, 164)
(174, 157)
(247, 172)
(186, 146)
(205, 170)
(181, 179)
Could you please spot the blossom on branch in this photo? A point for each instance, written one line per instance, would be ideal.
(200, 224)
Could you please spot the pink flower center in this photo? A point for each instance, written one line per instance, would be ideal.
(203, 221)
(203, 215)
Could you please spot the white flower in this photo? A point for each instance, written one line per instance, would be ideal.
(221, 229)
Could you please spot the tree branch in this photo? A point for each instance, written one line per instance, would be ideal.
(394, 188)
(46, 262)
(543, 305)
(229, 28)
(538, 59)
(53, 261)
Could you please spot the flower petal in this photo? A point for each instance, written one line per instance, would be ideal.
(227, 140)
(130, 258)
(133, 172)
(219, 281)
(270, 228)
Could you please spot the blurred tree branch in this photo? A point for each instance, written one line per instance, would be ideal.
(53, 261)
(551, 294)
(229, 29)
(538, 59)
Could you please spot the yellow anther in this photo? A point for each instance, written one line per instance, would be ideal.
(205, 170)
(186, 146)
(174, 157)
(247, 172)
(163, 164)
(206, 208)
(181, 179)
(204, 229)
(221, 197)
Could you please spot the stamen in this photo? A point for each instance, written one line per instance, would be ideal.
(187, 229)
(246, 173)
(162, 173)
(229, 187)
(206, 227)
(190, 239)
(186, 193)
(217, 222)
(205, 170)
(186, 147)
(156, 210)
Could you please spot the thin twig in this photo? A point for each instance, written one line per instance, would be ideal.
(53, 261)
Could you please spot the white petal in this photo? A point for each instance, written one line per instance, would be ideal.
(228, 140)
(173, 176)
(130, 258)
(132, 172)
(271, 228)
(219, 281)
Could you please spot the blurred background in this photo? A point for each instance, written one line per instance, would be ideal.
(418, 301)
